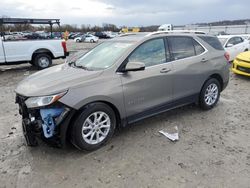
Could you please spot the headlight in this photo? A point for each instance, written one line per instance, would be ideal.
(34, 102)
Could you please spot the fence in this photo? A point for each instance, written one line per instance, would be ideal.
(229, 29)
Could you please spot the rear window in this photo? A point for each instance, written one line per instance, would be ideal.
(212, 41)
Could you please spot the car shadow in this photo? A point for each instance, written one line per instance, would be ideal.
(16, 68)
(115, 143)
(19, 68)
(247, 78)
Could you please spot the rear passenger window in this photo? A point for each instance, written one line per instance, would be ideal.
(198, 48)
(181, 47)
(212, 41)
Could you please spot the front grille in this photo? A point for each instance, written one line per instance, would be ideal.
(243, 69)
(243, 60)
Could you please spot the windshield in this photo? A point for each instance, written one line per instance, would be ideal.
(103, 56)
(223, 41)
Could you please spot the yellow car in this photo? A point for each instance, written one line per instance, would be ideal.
(241, 64)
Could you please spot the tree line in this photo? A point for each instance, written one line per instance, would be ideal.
(71, 28)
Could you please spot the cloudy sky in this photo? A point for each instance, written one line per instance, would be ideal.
(128, 12)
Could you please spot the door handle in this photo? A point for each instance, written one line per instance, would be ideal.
(204, 60)
(165, 70)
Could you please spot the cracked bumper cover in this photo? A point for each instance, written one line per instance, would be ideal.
(48, 123)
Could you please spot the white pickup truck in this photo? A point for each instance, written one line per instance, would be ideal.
(38, 52)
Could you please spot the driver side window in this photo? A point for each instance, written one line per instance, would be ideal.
(150, 53)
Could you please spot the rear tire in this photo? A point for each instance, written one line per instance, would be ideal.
(42, 61)
(210, 94)
(92, 41)
(93, 127)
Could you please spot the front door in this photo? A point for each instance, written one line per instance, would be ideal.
(147, 90)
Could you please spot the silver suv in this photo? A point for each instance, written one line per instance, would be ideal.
(119, 82)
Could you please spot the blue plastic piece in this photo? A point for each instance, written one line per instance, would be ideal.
(48, 121)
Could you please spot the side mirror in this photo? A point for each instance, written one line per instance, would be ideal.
(134, 66)
(229, 45)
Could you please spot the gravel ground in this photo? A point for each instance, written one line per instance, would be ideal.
(213, 150)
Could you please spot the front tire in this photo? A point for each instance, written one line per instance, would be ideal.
(42, 61)
(93, 127)
(210, 94)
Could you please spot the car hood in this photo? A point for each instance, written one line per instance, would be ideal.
(54, 80)
(245, 56)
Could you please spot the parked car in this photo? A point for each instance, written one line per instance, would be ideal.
(101, 35)
(38, 52)
(12, 37)
(234, 45)
(57, 35)
(45, 35)
(33, 36)
(119, 82)
(112, 34)
(241, 64)
(87, 38)
(71, 35)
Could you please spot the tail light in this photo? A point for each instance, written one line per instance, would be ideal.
(64, 46)
(227, 56)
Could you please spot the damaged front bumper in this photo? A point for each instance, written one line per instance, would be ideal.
(49, 123)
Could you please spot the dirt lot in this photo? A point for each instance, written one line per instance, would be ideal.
(213, 150)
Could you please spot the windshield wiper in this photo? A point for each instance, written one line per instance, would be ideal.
(72, 63)
(79, 66)
(82, 67)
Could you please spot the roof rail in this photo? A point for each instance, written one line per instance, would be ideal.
(176, 31)
(126, 34)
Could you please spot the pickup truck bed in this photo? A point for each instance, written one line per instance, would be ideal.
(38, 52)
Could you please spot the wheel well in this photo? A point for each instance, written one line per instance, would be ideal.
(114, 108)
(42, 51)
(219, 78)
(117, 113)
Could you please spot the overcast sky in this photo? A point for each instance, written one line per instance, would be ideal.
(128, 12)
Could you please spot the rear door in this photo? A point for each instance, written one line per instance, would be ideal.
(189, 66)
(153, 87)
(2, 56)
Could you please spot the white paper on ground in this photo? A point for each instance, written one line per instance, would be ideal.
(170, 136)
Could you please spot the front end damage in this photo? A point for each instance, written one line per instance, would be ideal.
(49, 123)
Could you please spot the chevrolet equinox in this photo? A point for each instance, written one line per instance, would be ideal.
(119, 82)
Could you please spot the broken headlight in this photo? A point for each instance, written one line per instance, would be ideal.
(34, 102)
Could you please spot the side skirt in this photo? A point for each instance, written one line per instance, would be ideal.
(163, 108)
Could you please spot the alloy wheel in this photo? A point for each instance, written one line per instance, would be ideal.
(211, 94)
(96, 127)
